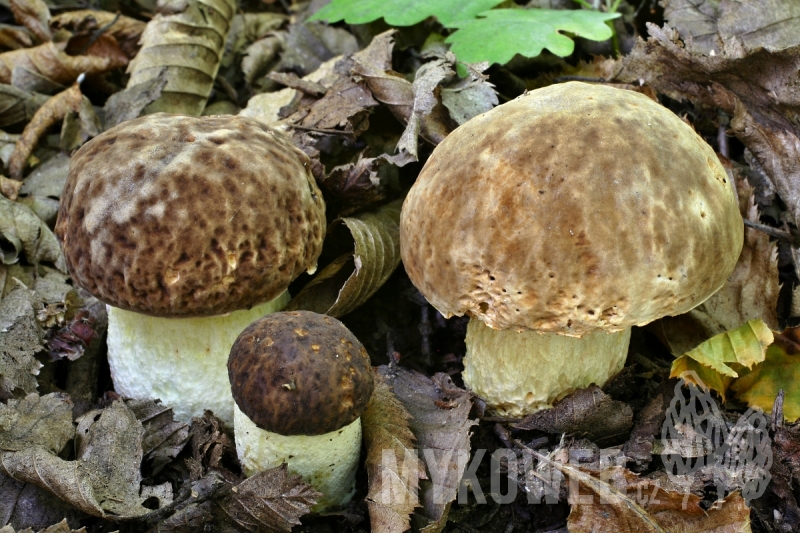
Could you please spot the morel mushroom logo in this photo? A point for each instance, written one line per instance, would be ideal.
(697, 440)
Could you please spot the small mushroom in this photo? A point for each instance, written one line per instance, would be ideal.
(301, 381)
(556, 222)
(189, 229)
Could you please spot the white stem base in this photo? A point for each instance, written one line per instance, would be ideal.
(181, 361)
(327, 462)
(519, 373)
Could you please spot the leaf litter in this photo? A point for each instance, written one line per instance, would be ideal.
(368, 105)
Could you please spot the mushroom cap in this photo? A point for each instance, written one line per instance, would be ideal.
(299, 373)
(571, 209)
(180, 216)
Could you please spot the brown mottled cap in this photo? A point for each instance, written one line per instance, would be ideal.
(299, 373)
(571, 209)
(170, 215)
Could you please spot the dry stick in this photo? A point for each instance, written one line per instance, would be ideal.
(769, 230)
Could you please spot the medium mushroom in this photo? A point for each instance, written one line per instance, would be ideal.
(556, 222)
(189, 229)
(300, 381)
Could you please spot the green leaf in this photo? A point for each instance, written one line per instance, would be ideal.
(501, 33)
(744, 346)
(403, 12)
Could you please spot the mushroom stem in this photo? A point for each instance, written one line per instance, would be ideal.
(519, 373)
(181, 361)
(327, 462)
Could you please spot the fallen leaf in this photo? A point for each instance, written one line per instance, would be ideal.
(309, 45)
(104, 479)
(743, 347)
(344, 106)
(354, 186)
(27, 506)
(15, 37)
(21, 338)
(354, 276)
(34, 15)
(272, 500)
(48, 68)
(470, 96)
(45, 117)
(586, 413)
(131, 102)
(393, 467)
(424, 102)
(780, 370)
(183, 44)
(17, 105)
(24, 232)
(44, 421)
(9, 188)
(261, 57)
(61, 527)
(440, 422)
(210, 444)
(164, 437)
(126, 30)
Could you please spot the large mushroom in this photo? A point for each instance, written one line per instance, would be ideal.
(556, 222)
(301, 381)
(189, 229)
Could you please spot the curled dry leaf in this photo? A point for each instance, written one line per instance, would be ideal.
(164, 437)
(34, 15)
(587, 413)
(49, 114)
(61, 527)
(9, 188)
(14, 37)
(126, 30)
(183, 44)
(393, 467)
(440, 422)
(20, 338)
(48, 68)
(355, 275)
(310, 44)
(721, 358)
(27, 506)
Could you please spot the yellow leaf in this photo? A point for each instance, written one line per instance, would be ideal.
(712, 360)
(780, 370)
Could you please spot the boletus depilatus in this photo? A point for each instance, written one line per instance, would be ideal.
(189, 229)
(301, 381)
(556, 222)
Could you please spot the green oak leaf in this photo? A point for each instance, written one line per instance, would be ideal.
(501, 33)
(403, 12)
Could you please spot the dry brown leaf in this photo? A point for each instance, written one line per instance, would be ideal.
(21, 231)
(34, 15)
(310, 44)
(61, 527)
(44, 421)
(750, 292)
(48, 68)
(21, 338)
(49, 114)
(588, 413)
(126, 30)
(345, 106)
(183, 44)
(634, 505)
(369, 259)
(393, 467)
(26, 506)
(440, 422)
(273, 500)
(164, 437)
(14, 37)
(354, 186)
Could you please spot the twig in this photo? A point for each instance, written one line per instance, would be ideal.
(780, 234)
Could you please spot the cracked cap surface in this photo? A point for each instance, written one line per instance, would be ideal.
(178, 216)
(571, 209)
(300, 373)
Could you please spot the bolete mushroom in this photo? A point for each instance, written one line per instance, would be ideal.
(556, 222)
(189, 228)
(301, 381)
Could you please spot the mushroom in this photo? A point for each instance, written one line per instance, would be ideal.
(300, 381)
(556, 222)
(189, 229)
